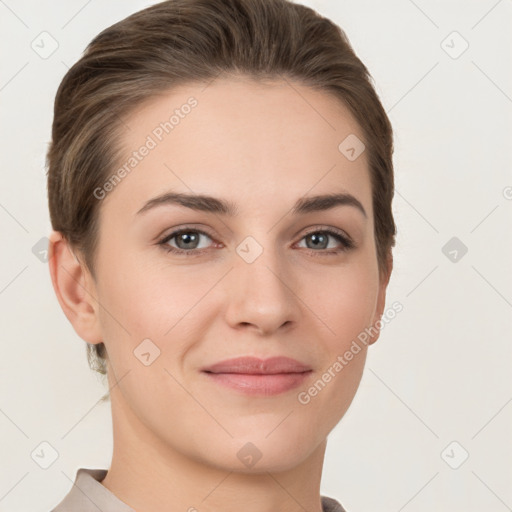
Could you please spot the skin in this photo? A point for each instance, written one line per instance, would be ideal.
(261, 146)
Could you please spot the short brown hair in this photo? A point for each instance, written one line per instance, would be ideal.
(177, 42)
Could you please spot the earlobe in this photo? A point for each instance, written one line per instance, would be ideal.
(74, 289)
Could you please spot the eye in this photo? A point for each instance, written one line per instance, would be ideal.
(187, 241)
(190, 242)
(320, 240)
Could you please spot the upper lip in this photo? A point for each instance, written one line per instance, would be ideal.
(255, 366)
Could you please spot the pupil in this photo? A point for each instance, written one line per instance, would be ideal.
(187, 237)
(317, 239)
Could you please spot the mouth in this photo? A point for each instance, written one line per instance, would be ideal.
(255, 366)
(253, 376)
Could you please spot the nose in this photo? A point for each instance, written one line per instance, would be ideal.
(262, 295)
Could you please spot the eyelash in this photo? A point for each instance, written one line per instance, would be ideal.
(347, 243)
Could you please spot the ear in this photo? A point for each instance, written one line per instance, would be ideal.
(381, 300)
(75, 289)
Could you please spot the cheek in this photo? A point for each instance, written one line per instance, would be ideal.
(145, 299)
(345, 302)
(142, 302)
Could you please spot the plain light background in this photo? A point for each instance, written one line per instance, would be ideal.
(437, 386)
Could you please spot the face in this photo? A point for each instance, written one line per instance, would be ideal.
(252, 274)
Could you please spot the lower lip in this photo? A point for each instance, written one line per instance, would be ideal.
(267, 385)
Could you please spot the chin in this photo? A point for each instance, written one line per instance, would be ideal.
(253, 454)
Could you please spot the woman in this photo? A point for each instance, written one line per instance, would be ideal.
(220, 182)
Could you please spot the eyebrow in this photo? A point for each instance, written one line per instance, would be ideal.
(211, 204)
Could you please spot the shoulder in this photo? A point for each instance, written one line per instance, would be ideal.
(331, 505)
(88, 494)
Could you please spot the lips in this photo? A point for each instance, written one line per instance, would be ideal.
(259, 377)
(255, 366)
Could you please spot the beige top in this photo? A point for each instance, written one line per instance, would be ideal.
(88, 495)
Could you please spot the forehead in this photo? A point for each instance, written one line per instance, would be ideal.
(240, 139)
